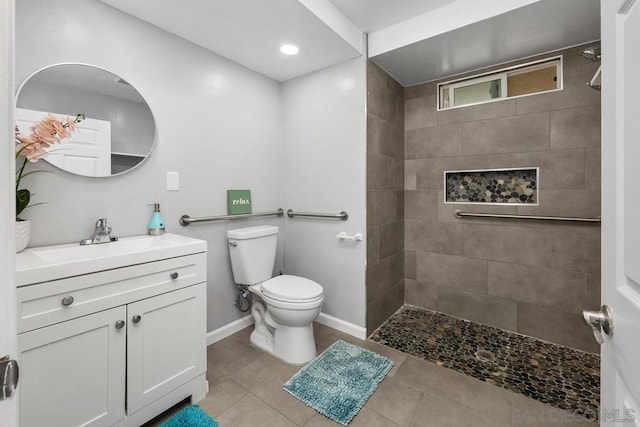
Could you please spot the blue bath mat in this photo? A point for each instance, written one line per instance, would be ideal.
(191, 416)
(339, 381)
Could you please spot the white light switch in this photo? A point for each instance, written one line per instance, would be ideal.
(173, 181)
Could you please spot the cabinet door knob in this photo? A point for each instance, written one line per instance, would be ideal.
(174, 275)
(136, 318)
(67, 301)
(120, 324)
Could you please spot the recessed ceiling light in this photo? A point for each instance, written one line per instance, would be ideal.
(289, 49)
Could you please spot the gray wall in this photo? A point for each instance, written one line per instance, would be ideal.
(524, 276)
(324, 171)
(385, 196)
(219, 125)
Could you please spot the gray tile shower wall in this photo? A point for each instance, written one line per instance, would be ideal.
(385, 196)
(531, 277)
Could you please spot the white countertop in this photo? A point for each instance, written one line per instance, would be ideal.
(42, 264)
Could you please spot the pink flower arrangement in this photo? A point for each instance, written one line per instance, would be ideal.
(44, 134)
(49, 131)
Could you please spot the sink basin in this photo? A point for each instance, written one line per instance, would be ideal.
(66, 253)
(46, 263)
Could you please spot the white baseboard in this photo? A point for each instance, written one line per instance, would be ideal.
(343, 326)
(229, 329)
(330, 321)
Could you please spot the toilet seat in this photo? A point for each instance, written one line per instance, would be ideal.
(288, 288)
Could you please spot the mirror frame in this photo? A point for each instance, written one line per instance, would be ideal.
(153, 116)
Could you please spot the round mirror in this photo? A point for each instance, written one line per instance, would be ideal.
(118, 132)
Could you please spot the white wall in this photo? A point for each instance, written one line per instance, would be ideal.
(8, 314)
(219, 125)
(325, 171)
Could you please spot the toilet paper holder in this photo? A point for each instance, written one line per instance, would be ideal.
(344, 236)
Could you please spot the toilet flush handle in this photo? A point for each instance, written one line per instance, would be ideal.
(234, 244)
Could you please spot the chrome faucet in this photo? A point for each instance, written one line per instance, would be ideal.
(101, 234)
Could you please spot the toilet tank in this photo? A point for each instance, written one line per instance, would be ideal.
(253, 253)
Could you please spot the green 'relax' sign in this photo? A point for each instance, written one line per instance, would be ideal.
(238, 202)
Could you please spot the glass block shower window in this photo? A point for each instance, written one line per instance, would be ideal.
(497, 186)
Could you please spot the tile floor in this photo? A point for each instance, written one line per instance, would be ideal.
(550, 373)
(245, 389)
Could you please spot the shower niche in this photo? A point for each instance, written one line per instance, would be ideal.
(492, 186)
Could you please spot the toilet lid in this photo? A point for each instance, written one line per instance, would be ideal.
(291, 288)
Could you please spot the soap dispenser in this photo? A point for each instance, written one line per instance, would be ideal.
(156, 223)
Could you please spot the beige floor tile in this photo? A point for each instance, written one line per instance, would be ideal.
(368, 418)
(155, 422)
(246, 390)
(291, 407)
(487, 399)
(396, 356)
(228, 356)
(436, 412)
(243, 335)
(423, 375)
(364, 418)
(326, 336)
(262, 371)
(223, 392)
(265, 378)
(395, 400)
(319, 420)
(273, 394)
(528, 412)
(251, 412)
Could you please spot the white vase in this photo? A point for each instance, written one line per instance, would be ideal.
(23, 234)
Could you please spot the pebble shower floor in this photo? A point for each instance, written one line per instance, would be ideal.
(560, 376)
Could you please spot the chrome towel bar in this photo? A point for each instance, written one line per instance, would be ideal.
(186, 219)
(342, 215)
(459, 214)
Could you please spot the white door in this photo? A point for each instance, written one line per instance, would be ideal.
(87, 152)
(8, 406)
(620, 390)
(165, 342)
(73, 373)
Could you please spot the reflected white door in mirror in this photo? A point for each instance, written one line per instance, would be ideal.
(111, 334)
(118, 132)
(86, 152)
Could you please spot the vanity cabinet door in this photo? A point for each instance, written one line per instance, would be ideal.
(73, 373)
(166, 344)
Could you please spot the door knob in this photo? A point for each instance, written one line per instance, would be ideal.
(137, 318)
(120, 324)
(9, 374)
(600, 321)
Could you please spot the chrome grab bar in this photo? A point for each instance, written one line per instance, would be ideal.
(459, 214)
(186, 219)
(342, 215)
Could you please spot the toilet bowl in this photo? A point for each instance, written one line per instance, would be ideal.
(288, 334)
(285, 306)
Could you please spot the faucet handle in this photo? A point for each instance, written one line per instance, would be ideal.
(101, 223)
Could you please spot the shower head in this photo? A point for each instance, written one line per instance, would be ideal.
(592, 53)
(595, 81)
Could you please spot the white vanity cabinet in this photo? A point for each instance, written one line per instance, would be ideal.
(73, 373)
(115, 346)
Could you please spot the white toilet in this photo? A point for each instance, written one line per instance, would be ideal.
(284, 328)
